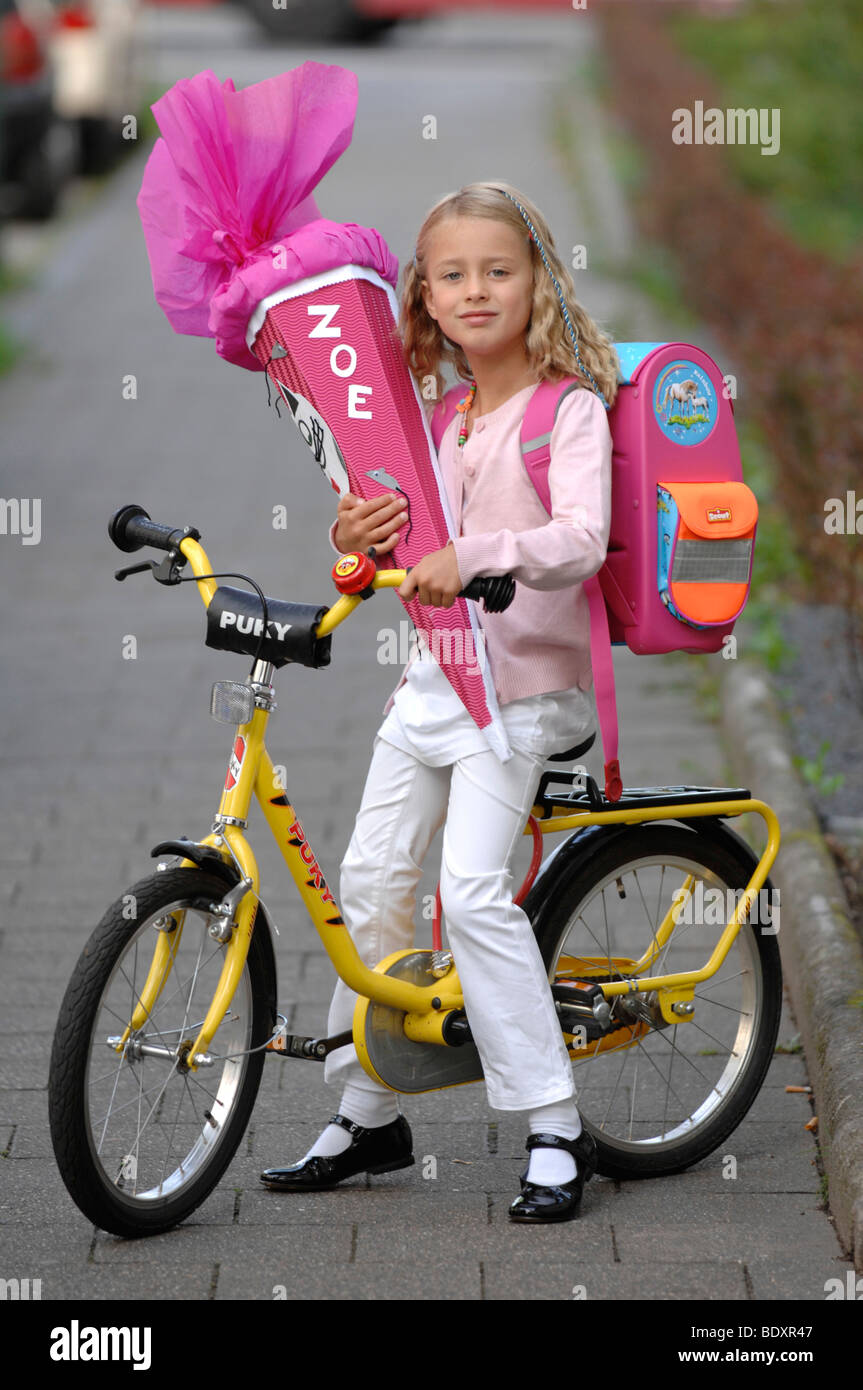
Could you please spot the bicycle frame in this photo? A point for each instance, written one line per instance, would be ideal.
(251, 773)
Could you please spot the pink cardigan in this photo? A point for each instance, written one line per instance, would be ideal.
(541, 642)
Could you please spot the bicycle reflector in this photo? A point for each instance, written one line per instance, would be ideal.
(232, 702)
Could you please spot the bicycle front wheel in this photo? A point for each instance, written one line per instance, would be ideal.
(140, 1139)
(658, 1097)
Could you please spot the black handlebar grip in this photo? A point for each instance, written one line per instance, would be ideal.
(131, 528)
(496, 591)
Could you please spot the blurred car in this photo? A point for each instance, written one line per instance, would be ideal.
(414, 9)
(95, 51)
(35, 149)
(317, 20)
(349, 21)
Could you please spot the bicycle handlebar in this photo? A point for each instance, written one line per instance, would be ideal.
(131, 528)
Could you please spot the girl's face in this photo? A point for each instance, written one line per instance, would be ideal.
(480, 285)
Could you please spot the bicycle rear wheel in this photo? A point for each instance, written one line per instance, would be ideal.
(658, 1097)
(140, 1139)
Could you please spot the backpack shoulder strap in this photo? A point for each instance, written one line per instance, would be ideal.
(537, 425)
(536, 428)
(602, 665)
(444, 412)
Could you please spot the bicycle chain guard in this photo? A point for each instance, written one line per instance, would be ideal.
(400, 1063)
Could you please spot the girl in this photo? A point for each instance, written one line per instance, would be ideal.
(487, 292)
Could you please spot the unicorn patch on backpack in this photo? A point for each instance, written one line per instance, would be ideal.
(684, 402)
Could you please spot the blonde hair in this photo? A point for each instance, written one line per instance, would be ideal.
(547, 341)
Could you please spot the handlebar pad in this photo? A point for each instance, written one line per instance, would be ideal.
(131, 528)
(235, 621)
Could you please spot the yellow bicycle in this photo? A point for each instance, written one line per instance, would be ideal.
(649, 915)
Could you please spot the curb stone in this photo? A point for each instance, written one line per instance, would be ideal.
(821, 955)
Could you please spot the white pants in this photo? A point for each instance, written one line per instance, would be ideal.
(507, 996)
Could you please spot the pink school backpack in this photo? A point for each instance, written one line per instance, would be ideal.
(679, 561)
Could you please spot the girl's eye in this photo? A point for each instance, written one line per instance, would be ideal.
(497, 270)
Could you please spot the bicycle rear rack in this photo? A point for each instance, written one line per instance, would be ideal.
(591, 798)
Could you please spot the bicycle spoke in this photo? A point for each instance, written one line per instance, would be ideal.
(623, 1062)
(113, 1093)
(652, 921)
(137, 1001)
(140, 1092)
(729, 1008)
(633, 1092)
(138, 1138)
(704, 989)
(656, 1068)
(666, 1041)
(723, 1047)
(170, 1148)
(595, 939)
(192, 983)
(605, 919)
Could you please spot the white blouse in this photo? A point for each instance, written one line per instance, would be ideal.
(428, 720)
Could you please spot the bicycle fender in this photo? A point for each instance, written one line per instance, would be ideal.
(203, 855)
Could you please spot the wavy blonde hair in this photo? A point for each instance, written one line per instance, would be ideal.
(547, 340)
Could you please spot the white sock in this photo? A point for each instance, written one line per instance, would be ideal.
(552, 1167)
(371, 1109)
(334, 1140)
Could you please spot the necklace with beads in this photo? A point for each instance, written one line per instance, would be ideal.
(463, 409)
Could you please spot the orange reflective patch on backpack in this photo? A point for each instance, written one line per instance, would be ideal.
(706, 534)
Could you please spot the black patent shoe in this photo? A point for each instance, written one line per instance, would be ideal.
(537, 1203)
(380, 1150)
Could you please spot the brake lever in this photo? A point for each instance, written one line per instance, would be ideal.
(134, 569)
(167, 571)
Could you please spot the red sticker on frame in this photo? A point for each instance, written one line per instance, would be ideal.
(236, 763)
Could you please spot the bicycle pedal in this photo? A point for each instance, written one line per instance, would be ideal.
(585, 1008)
(576, 992)
(285, 1044)
(291, 1045)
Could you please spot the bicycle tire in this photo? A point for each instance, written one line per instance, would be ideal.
(606, 908)
(140, 1140)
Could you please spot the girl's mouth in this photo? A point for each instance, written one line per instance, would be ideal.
(476, 318)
